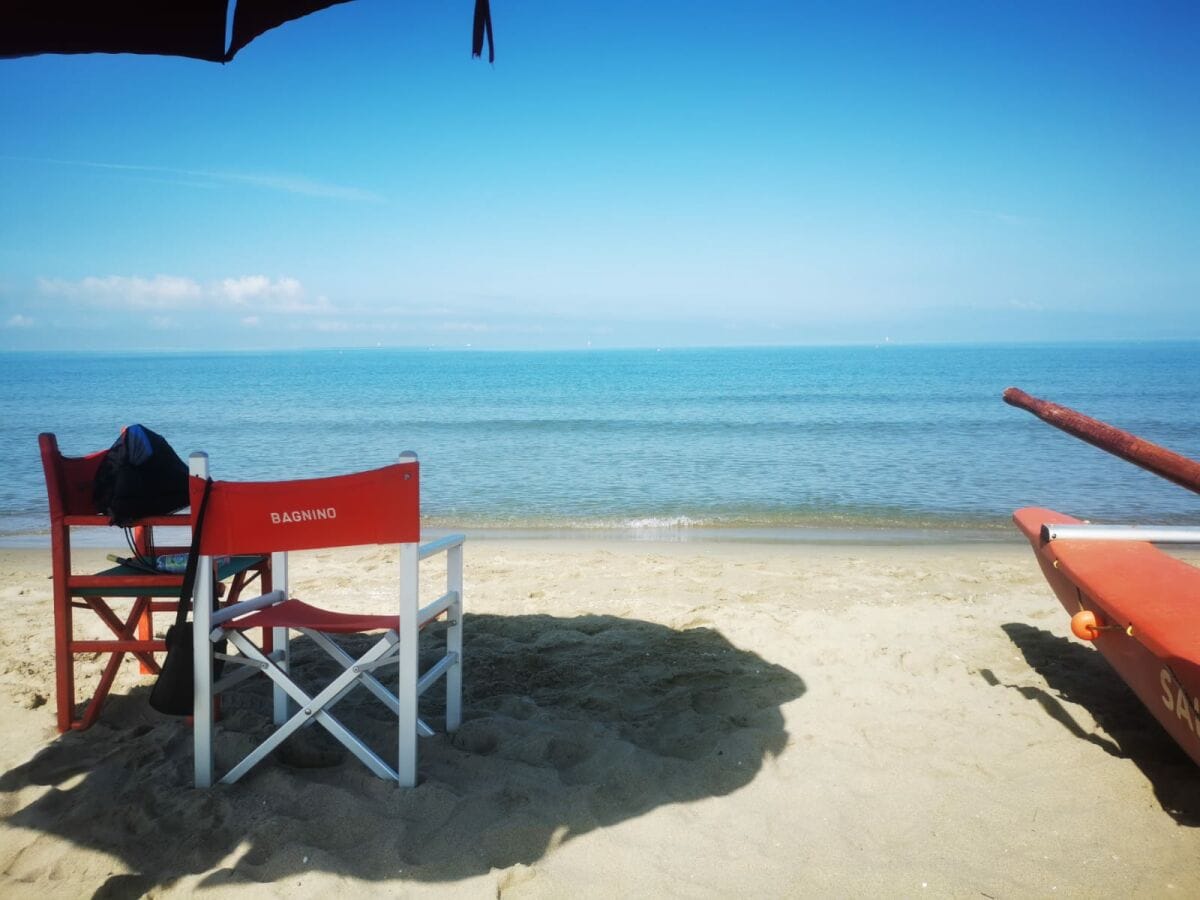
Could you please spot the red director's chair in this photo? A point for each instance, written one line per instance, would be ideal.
(375, 507)
(69, 489)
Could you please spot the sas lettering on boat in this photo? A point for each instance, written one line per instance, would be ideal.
(288, 517)
(1176, 700)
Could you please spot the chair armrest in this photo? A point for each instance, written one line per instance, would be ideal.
(441, 545)
(453, 596)
(225, 613)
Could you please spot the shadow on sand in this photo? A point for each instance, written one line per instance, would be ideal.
(1080, 675)
(570, 725)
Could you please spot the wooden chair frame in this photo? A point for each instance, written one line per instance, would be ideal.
(69, 491)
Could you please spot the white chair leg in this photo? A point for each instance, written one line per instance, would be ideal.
(281, 640)
(282, 643)
(406, 693)
(454, 638)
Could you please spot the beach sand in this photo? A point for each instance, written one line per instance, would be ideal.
(644, 719)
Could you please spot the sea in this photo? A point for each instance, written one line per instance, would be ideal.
(892, 443)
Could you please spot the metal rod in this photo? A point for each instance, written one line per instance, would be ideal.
(1157, 534)
(1165, 463)
(436, 671)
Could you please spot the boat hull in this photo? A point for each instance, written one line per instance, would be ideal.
(1147, 604)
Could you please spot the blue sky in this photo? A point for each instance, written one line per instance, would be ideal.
(626, 174)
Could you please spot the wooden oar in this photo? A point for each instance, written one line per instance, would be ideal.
(1162, 462)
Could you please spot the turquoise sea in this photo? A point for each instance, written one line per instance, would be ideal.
(888, 442)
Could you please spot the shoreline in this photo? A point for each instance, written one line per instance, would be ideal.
(697, 536)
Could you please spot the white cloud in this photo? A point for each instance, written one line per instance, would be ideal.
(18, 321)
(283, 295)
(239, 290)
(127, 292)
(250, 294)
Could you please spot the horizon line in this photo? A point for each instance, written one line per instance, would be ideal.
(655, 348)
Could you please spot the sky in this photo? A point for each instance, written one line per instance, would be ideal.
(625, 174)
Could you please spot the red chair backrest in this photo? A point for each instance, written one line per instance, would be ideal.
(381, 506)
(68, 479)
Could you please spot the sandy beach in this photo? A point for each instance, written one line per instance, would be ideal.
(645, 719)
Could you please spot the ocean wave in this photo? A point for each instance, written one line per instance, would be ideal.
(655, 523)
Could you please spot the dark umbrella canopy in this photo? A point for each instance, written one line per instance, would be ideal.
(195, 28)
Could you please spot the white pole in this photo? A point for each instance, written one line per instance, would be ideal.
(1158, 534)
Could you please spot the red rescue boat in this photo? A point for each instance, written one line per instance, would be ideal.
(1139, 605)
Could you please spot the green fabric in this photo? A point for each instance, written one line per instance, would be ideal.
(225, 570)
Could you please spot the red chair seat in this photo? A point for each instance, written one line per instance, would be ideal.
(298, 615)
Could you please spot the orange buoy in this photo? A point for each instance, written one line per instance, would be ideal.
(1086, 625)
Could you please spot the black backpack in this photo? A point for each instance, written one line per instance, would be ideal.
(140, 476)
